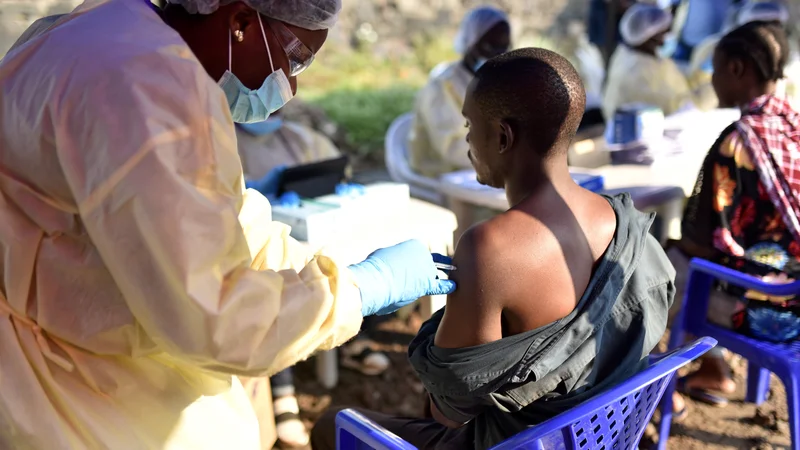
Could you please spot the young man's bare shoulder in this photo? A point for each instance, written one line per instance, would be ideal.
(489, 250)
(497, 262)
(486, 281)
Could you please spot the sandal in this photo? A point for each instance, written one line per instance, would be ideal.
(680, 416)
(290, 429)
(358, 356)
(701, 395)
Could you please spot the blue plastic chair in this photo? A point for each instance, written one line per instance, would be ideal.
(615, 419)
(763, 357)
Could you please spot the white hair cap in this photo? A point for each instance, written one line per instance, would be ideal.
(475, 25)
(642, 22)
(762, 12)
(308, 14)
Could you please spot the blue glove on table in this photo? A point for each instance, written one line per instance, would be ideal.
(269, 183)
(393, 277)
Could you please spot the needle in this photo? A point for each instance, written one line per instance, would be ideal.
(445, 267)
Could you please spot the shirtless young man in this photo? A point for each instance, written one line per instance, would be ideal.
(560, 298)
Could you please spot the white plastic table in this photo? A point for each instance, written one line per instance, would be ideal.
(429, 223)
(652, 188)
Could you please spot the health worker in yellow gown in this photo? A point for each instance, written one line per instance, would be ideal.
(637, 72)
(437, 143)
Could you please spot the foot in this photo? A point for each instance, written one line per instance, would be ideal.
(358, 356)
(679, 408)
(713, 375)
(288, 426)
(678, 403)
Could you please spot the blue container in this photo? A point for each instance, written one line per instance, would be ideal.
(634, 123)
(627, 127)
(591, 182)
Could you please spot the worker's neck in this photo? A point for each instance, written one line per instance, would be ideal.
(535, 180)
(756, 92)
(469, 62)
(196, 37)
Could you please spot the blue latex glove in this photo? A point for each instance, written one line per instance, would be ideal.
(268, 184)
(393, 277)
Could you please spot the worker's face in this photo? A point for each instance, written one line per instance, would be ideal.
(728, 79)
(659, 39)
(290, 47)
(653, 44)
(495, 42)
(484, 141)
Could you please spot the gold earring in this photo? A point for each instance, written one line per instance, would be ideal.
(239, 35)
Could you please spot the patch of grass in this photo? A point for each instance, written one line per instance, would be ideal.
(366, 114)
(363, 90)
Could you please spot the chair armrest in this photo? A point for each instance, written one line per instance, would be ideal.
(744, 281)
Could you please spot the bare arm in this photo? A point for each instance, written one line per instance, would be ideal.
(473, 313)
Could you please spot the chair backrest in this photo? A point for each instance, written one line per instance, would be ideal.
(397, 162)
(356, 432)
(615, 419)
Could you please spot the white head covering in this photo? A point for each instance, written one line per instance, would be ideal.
(475, 25)
(642, 22)
(308, 14)
(765, 11)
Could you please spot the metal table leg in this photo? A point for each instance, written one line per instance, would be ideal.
(328, 368)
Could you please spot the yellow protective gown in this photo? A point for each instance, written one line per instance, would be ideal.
(438, 142)
(135, 268)
(634, 77)
(292, 145)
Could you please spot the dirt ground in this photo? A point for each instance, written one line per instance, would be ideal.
(398, 391)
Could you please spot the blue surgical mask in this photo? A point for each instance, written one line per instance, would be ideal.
(478, 64)
(708, 65)
(248, 105)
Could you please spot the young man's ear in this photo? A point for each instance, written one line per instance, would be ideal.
(506, 137)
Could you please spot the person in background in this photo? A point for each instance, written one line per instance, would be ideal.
(436, 141)
(637, 73)
(701, 63)
(560, 297)
(745, 208)
(777, 12)
(704, 18)
(598, 21)
(263, 146)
